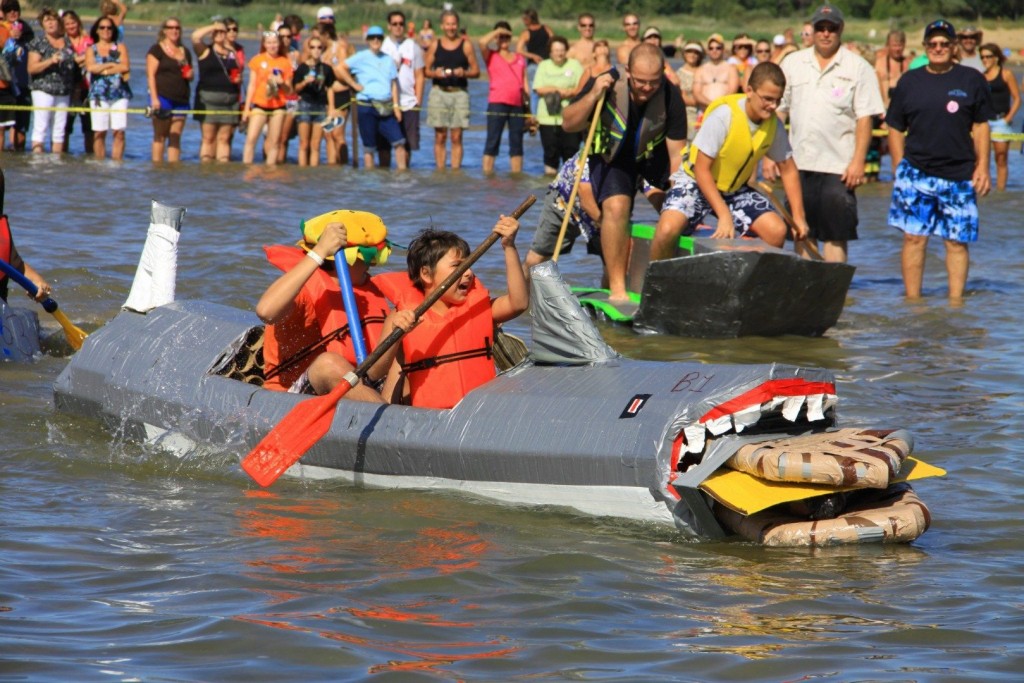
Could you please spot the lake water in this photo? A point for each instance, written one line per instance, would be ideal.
(121, 563)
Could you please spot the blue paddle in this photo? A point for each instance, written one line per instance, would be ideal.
(348, 298)
(75, 335)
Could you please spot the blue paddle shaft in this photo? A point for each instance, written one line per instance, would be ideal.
(348, 298)
(48, 304)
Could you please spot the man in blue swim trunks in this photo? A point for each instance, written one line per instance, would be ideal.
(940, 170)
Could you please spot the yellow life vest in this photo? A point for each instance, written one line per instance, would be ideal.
(741, 151)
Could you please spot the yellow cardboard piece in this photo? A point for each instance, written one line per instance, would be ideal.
(746, 494)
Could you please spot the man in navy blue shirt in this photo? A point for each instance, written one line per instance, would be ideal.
(939, 141)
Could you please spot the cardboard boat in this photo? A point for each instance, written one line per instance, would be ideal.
(573, 425)
(726, 288)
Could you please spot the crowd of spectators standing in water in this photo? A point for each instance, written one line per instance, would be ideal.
(303, 83)
(310, 83)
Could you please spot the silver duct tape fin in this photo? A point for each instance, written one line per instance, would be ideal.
(562, 331)
(156, 276)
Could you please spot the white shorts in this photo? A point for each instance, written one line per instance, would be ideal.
(109, 115)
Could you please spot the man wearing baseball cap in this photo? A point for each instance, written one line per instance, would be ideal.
(831, 95)
(939, 142)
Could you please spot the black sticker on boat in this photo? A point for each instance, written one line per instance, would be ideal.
(635, 404)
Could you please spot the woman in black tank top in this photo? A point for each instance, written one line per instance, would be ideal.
(534, 42)
(1005, 102)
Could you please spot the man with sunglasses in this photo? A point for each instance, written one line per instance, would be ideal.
(939, 141)
(969, 39)
(582, 50)
(831, 96)
(408, 57)
(631, 25)
(640, 135)
(716, 77)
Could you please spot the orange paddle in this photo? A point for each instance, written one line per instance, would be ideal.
(310, 420)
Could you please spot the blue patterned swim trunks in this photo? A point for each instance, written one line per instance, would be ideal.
(927, 205)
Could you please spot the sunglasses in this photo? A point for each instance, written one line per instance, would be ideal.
(232, 29)
(586, 25)
(104, 27)
(763, 52)
(715, 47)
(984, 56)
(826, 28)
(375, 37)
(938, 44)
(172, 28)
(316, 47)
(397, 23)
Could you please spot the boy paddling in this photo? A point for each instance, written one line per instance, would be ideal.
(447, 353)
(738, 131)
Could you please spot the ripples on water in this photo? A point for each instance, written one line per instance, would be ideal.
(119, 561)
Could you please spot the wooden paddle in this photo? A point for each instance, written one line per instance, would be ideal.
(579, 176)
(310, 420)
(812, 248)
(75, 335)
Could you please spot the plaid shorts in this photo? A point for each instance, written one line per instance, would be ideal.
(927, 205)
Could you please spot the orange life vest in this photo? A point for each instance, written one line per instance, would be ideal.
(318, 313)
(446, 356)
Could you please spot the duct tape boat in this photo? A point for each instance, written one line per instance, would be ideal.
(572, 425)
(725, 288)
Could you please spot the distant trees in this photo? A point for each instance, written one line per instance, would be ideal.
(973, 10)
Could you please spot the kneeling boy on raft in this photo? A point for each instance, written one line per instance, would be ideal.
(738, 130)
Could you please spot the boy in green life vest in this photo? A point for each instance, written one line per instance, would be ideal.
(737, 132)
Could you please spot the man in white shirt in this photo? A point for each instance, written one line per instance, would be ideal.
(831, 95)
(408, 56)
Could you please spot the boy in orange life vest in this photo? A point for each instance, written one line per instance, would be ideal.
(448, 353)
(303, 307)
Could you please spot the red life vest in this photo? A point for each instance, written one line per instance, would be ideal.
(8, 253)
(446, 356)
(6, 243)
(318, 313)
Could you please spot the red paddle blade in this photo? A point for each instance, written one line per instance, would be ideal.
(303, 426)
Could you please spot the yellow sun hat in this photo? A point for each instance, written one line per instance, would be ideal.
(367, 235)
